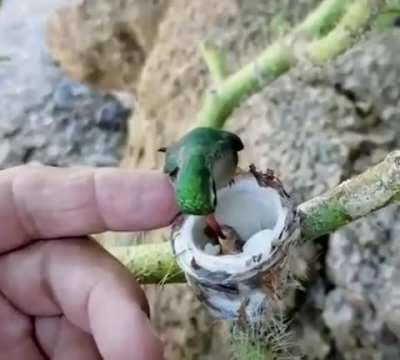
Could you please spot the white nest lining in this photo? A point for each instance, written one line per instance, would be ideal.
(255, 212)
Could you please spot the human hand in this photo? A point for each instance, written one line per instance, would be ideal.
(61, 295)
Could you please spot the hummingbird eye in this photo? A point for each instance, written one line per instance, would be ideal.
(173, 173)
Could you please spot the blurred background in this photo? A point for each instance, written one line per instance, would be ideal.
(108, 82)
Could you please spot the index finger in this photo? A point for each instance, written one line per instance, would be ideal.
(44, 202)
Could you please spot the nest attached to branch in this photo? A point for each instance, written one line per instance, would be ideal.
(243, 276)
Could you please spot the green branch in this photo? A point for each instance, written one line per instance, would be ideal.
(150, 263)
(377, 187)
(342, 37)
(281, 56)
(323, 18)
(388, 17)
(221, 101)
(215, 61)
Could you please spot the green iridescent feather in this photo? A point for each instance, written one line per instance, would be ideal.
(190, 164)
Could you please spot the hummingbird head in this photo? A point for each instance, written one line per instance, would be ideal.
(195, 188)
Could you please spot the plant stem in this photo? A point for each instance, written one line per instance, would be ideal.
(221, 101)
(342, 37)
(215, 61)
(388, 17)
(277, 59)
(377, 187)
(323, 18)
(150, 263)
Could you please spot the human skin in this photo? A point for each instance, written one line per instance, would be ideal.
(61, 295)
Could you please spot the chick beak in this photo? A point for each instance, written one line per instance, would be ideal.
(214, 226)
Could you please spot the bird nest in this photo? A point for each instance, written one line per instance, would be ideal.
(242, 275)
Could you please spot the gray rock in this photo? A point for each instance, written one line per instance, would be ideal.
(362, 312)
(45, 116)
(321, 126)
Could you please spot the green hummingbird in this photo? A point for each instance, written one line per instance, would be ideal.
(202, 161)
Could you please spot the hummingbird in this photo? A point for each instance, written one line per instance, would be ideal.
(202, 161)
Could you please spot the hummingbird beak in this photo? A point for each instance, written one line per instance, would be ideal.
(214, 226)
(211, 221)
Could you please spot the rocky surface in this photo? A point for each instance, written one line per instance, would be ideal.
(44, 115)
(105, 43)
